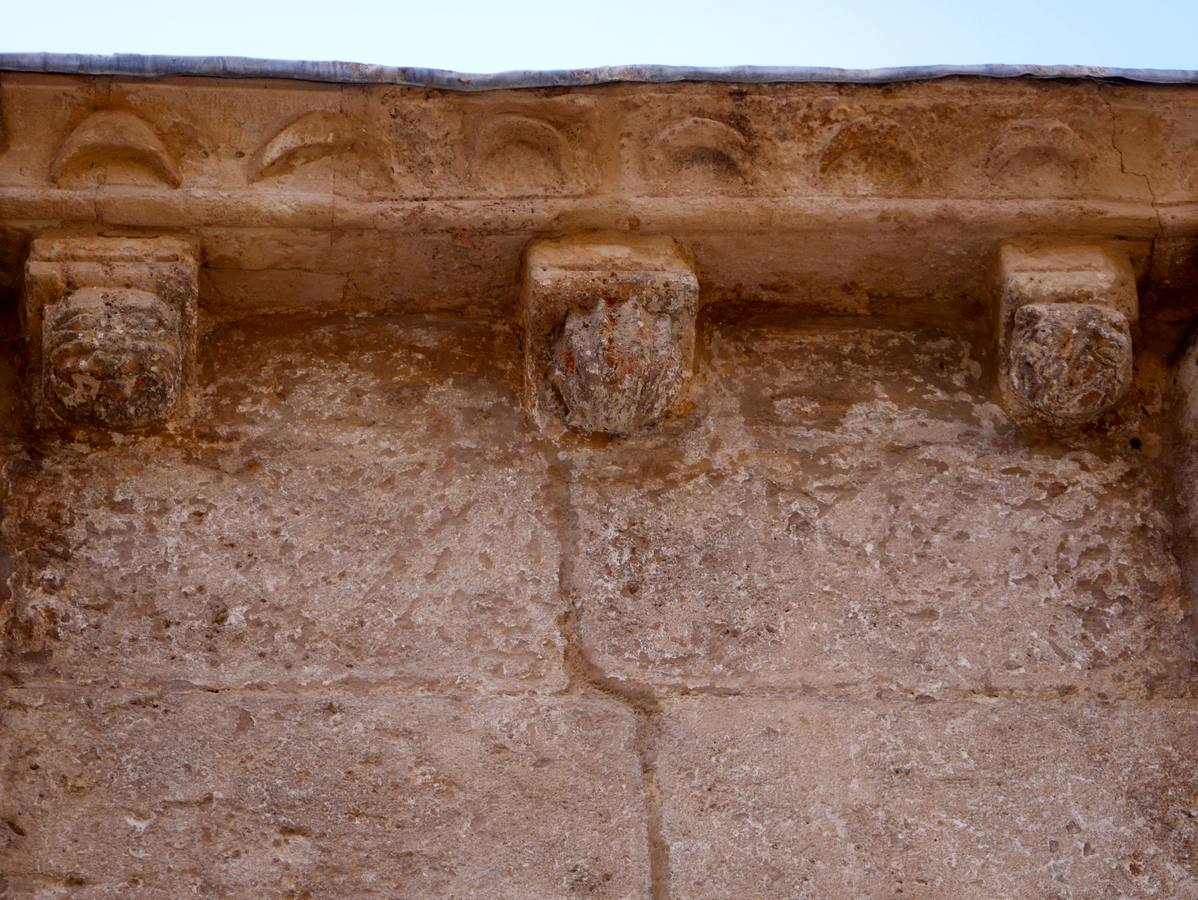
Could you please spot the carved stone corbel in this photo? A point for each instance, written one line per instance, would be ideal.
(110, 327)
(1067, 313)
(609, 331)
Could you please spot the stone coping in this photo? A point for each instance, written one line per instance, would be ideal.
(341, 72)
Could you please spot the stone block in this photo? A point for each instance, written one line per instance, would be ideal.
(848, 508)
(805, 798)
(1066, 315)
(365, 503)
(318, 794)
(609, 331)
(110, 327)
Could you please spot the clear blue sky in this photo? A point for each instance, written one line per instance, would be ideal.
(495, 35)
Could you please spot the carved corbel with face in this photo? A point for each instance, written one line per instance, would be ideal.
(110, 327)
(1066, 317)
(609, 331)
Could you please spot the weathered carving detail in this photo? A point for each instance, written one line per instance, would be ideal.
(616, 366)
(870, 151)
(608, 330)
(110, 139)
(111, 357)
(517, 154)
(700, 143)
(1065, 315)
(1069, 362)
(1038, 153)
(315, 136)
(110, 326)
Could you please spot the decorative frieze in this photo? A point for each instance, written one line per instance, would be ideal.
(1043, 155)
(112, 140)
(110, 325)
(832, 198)
(609, 331)
(1066, 314)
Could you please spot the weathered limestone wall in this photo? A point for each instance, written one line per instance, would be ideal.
(716, 552)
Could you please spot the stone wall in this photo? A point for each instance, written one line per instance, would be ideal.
(624, 492)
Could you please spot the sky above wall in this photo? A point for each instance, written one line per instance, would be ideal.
(498, 35)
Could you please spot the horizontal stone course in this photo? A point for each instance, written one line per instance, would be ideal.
(318, 794)
(800, 798)
(832, 197)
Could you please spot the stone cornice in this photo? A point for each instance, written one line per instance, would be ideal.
(835, 197)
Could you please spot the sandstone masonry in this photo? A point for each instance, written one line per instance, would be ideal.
(596, 490)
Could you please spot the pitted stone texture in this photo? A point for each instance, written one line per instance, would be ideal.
(111, 358)
(365, 503)
(847, 509)
(110, 328)
(1066, 316)
(1068, 363)
(320, 794)
(803, 798)
(617, 367)
(609, 331)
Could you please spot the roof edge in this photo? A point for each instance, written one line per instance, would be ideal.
(332, 71)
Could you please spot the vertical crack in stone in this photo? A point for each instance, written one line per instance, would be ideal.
(659, 849)
(585, 676)
(1114, 118)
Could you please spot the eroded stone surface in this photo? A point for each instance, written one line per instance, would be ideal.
(1184, 394)
(847, 508)
(616, 367)
(355, 629)
(1066, 314)
(609, 331)
(802, 798)
(112, 357)
(364, 502)
(110, 328)
(318, 794)
(1068, 362)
